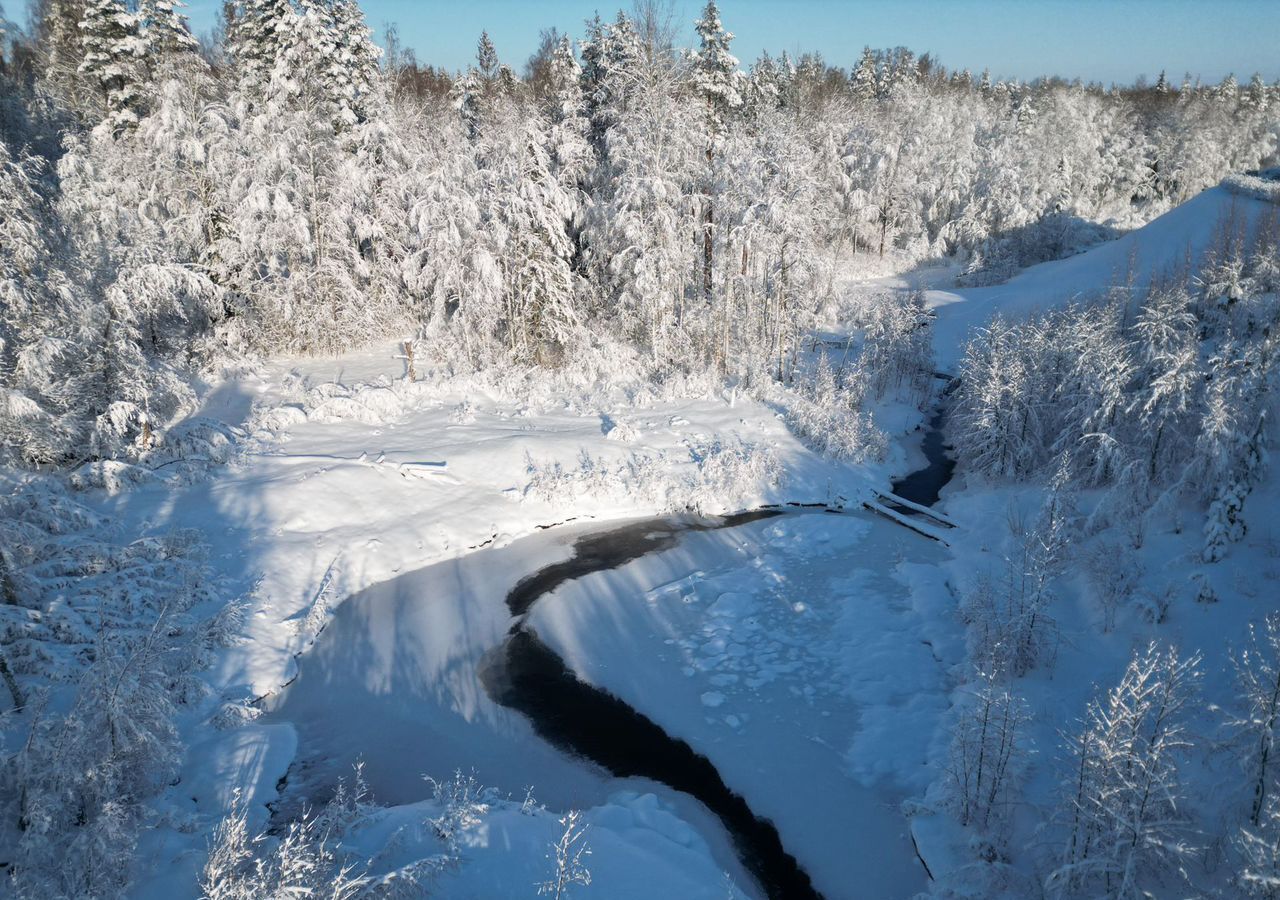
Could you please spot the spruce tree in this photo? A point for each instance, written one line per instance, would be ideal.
(256, 38)
(865, 77)
(715, 80)
(113, 50)
(164, 29)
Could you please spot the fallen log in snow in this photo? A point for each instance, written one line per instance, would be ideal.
(904, 521)
(916, 507)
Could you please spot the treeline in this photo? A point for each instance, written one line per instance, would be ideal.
(167, 205)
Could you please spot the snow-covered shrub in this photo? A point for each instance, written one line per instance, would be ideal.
(1115, 574)
(638, 477)
(110, 475)
(276, 418)
(303, 861)
(1202, 588)
(463, 804)
(726, 472)
(233, 715)
(897, 345)
(1223, 523)
(101, 642)
(463, 414)
(824, 410)
(568, 859)
(79, 782)
(1010, 626)
(1262, 185)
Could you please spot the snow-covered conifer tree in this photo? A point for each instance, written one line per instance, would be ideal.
(716, 81)
(164, 28)
(113, 49)
(256, 39)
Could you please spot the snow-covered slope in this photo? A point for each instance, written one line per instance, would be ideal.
(1179, 236)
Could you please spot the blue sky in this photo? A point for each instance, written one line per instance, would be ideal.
(1102, 40)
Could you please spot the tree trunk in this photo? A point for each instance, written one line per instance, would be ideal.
(707, 218)
(1264, 755)
(408, 356)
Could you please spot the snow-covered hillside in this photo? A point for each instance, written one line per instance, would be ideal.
(1176, 241)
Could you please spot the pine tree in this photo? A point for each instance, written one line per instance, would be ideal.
(35, 296)
(257, 38)
(164, 29)
(486, 58)
(715, 80)
(113, 50)
(636, 235)
(866, 77)
(358, 63)
(531, 210)
(571, 157)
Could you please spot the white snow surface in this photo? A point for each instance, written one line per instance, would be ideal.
(357, 484)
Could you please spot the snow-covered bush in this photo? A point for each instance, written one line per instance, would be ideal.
(568, 859)
(1010, 625)
(463, 803)
(726, 473)
(715, 477)
(897, 346)
(303, 861)
(1263, 185)
(101, 643)
(1115, 573)
(824, 409)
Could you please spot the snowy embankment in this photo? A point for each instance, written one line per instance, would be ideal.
(395, 683)
(350, 476)
(1176, 240)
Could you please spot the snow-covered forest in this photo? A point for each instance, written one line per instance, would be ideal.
(287, 315)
